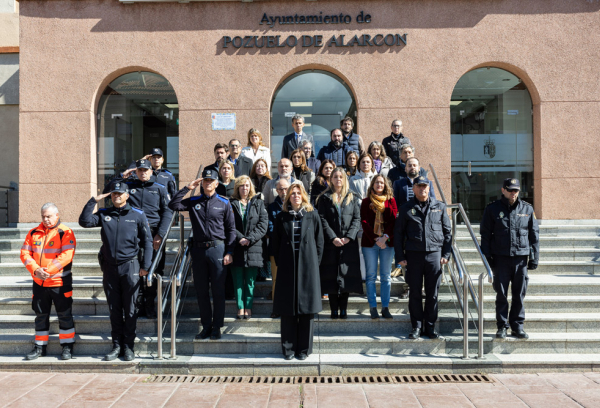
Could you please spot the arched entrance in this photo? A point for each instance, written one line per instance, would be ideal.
(492, 138)
(320, 96)
(137, 112)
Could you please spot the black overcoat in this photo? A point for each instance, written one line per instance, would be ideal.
(257, 223)
(306, 282)
(340, 266)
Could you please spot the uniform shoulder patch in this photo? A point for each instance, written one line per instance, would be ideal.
(167, 171)
(102, 209)
(526, 203)
(224, 199)
(137, 210)
(194, 198)
(162, 185)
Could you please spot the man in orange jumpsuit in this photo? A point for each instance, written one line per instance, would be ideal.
(48, 255)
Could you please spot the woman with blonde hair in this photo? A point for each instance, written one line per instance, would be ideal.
(251, 223)
(339, 210)
(378, 215)
(256, 149)
(298, 248)
(226, 179)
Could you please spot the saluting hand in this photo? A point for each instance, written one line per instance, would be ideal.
(101, 197)
(227, 259)
(146, 157)
(127, 173)
(194, 183)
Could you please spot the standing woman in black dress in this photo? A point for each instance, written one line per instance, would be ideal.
(298, 245)
(339, 210)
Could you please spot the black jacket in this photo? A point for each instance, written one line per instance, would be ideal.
(302, 279)
(398, 172)
(257, 223)
(290, 144)
(226, 190)
(392, 144)
(316, 189)
(337, 154)
(340, 266)
(415, 231)
(123, 232)
(166, 178)
(244, 165)
(259, 184)
(510, 231)
(211, 217)
(151, 197)
(274, 209)
(306, 178)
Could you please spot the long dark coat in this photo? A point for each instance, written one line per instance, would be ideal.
(340, 266)
(306, 282)
(257, 223)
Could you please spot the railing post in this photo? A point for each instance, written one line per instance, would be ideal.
(465, 316)
(181, 231)
(480, 315)
(159, 317)
(174, 317)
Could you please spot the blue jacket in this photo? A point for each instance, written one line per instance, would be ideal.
(403, 190)
(338, 155)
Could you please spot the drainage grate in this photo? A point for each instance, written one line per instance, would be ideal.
(349, 379)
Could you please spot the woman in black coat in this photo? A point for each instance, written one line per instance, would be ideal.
(298, 245)
(251, 224)
(339, 210)
(322, 180)
(300, 171)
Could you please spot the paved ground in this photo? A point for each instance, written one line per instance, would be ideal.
(123, 390)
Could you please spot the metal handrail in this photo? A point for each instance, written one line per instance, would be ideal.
(158, 257)
(468, 287)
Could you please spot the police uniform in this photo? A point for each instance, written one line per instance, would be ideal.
(52, 249)
(509, 235)
(213, 226)
(163, 176)
(124, 232)
(422, 236)
(153, 198)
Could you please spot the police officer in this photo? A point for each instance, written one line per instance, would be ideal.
(214, 231)
(124, 232)
(153, 198)
(509, 235)
(163, 176)
(422, 240)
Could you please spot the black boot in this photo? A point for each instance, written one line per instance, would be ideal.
(128, 355)
(374, 314)
(67, 352)
(114, 353)
(385, 312)
(36, 352)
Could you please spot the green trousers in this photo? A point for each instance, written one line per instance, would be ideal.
(243, 283)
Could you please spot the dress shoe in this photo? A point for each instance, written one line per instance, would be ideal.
(501, 333)
(274, 315)
(247, 317)
(288, 356)
(415, 333)
(115, 352)
(404, 295)
(239, 317)
(519, 334)
(343, 314)
(385, 313)
(301, 356)
(374, 314)
(215, 334)
(67, 352)
(204, 334)
(334, 314)
(128, 355)
(431, 333)
(38, 351)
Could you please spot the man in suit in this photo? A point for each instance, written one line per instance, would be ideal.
(243, 163)
(293, 140)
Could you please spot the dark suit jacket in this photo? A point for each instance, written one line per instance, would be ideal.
(290, 144)
(244, 166)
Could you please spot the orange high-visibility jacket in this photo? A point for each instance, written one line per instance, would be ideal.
(50, 248)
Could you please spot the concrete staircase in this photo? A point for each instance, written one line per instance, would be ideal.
(563, 320)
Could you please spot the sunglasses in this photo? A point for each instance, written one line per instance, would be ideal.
(512, 190)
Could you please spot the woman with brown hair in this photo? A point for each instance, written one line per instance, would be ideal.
(381, 163)
(339, 210)
(321, 182)
(260, 175)
(256, 149)
(251, 223)
(362, 179)
(351, 163)
(298, 248)
(378, 214)
(300, 170)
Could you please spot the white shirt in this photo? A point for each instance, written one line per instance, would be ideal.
(359, 183)
(262, 153)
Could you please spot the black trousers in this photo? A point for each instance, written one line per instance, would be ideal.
(209, 271)
(41, 303)
(510, 270)
(148, 293)
(297, 334)
(423, 269)
(121, 286)
(338, 301)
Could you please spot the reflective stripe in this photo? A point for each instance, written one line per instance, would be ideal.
(28, 261)
(69, 340)
(53, 250)
(69, 294)
(68, 247)
(42, 333)
(57, 264)
(61, 274)
(26, 248)
(63, 333)
(41, 342)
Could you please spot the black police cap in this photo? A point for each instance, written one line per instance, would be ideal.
(156, 152)
(143, 164)
(119, 188)
(210, 174)
(511, 184)
(422, 180)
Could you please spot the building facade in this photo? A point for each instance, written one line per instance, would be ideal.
(485, 90)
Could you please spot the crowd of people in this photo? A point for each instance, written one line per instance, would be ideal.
(323, 226)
